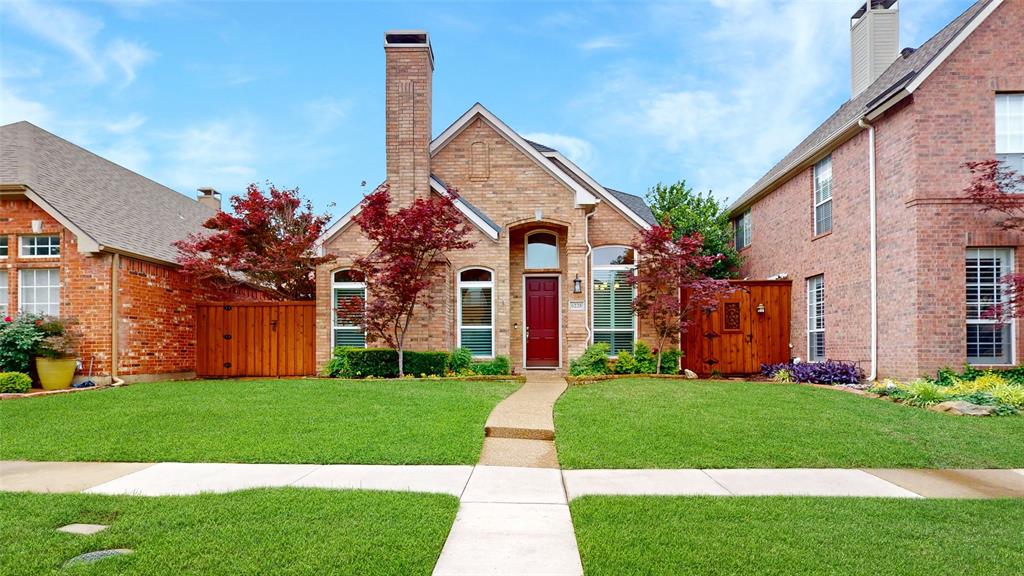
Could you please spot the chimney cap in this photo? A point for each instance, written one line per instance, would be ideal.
(208, 191)
(409, 39)
(875, 5)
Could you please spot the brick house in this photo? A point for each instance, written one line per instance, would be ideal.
(85, 238)
(552, 246)
(891, 265)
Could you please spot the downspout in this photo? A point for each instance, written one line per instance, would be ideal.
(115, 266)
(874, 247)
(586, 279)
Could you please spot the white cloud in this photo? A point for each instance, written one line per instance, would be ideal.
(575, 149)
(126, 125)
(603, 43)
(325, 114)
(218, 153)
(128, 56)
(78, 34)
(15, 109)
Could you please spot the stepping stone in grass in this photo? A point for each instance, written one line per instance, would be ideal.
(90, 557)
(83, 529)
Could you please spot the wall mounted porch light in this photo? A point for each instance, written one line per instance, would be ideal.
(760, 308)
(577, 285)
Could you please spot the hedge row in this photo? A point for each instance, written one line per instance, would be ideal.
(383, 363)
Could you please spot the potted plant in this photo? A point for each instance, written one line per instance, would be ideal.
(55, 353)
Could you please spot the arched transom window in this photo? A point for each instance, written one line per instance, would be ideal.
(476, 311)
(347, 285)
(613, 320)
(541, 250)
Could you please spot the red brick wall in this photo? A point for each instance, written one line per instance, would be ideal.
(156, 331)
(924, 225)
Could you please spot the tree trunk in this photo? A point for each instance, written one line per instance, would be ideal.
(401, 361)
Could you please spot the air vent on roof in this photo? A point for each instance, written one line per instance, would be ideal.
(907, 52)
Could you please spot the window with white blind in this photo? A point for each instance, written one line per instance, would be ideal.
(613, 319)
(1010, 130)
(743, 229)
(3, 247)
(989, 339)
(39, 291)
(476, 311)
(347, 286)
(816, 318)
(4, 287)
(40, 246)
(823, 196)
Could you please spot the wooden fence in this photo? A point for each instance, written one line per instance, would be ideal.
(750, 328)
(255, 339)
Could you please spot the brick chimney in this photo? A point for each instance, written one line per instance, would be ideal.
(410, 68)
(209, 197)
(874, 42)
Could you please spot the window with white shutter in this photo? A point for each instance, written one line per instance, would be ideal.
(614, 321)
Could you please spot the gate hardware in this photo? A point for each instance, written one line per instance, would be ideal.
(227, 336)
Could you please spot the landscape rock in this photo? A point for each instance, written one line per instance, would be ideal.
(963, 408)
(690, 374)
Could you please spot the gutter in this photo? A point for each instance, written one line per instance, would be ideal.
(872, 208)
(115, 266)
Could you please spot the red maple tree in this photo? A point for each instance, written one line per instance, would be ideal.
(409, 246)
(997, 188)
(672, 282)
(268, 241)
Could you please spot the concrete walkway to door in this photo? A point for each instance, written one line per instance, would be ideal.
(521, 429)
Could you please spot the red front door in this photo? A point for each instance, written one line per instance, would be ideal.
(541, 322)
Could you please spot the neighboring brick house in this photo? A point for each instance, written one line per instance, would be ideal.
(895, 273)
(85, 238)
(542, 227)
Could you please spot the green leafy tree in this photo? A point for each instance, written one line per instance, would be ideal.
(687, 212)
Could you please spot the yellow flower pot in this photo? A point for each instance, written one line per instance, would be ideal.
(56, 373)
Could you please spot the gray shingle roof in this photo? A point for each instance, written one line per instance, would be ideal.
(116, 207)
(636, 204)
(898, 75)
(632, 201)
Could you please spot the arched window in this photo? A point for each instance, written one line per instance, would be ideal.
(347, 285)
(476, 311)
(541, 250)
(613, 320)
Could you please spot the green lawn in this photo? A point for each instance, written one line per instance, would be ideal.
(281, 531)
(789, 536)
(292, 421)
(647, 423)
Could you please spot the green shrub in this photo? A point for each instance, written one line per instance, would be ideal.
(925, 393)
(460, 360)
(425, 363)
(593, 362)
(500, 366)
(782, 376)
(670, 361)
(625, 364)
(383, 363)
(15, 382)
(18, 339)
(646, 361)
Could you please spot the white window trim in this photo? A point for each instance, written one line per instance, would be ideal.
(814, 193)
(1011, 265)
(811, 330)
(5, 294)
(526, 250)
(617, 268)
(22, 285)
(745, 224)
(460, 284)
(334, 306)
(21, 247)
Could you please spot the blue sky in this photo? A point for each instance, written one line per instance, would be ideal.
(227, 93)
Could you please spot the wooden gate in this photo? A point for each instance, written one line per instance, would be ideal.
(750, 328)
(255, 339)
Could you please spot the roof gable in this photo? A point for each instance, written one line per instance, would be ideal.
(107, 206)
(902, 77)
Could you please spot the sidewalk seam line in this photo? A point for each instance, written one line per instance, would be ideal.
(713, 479)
